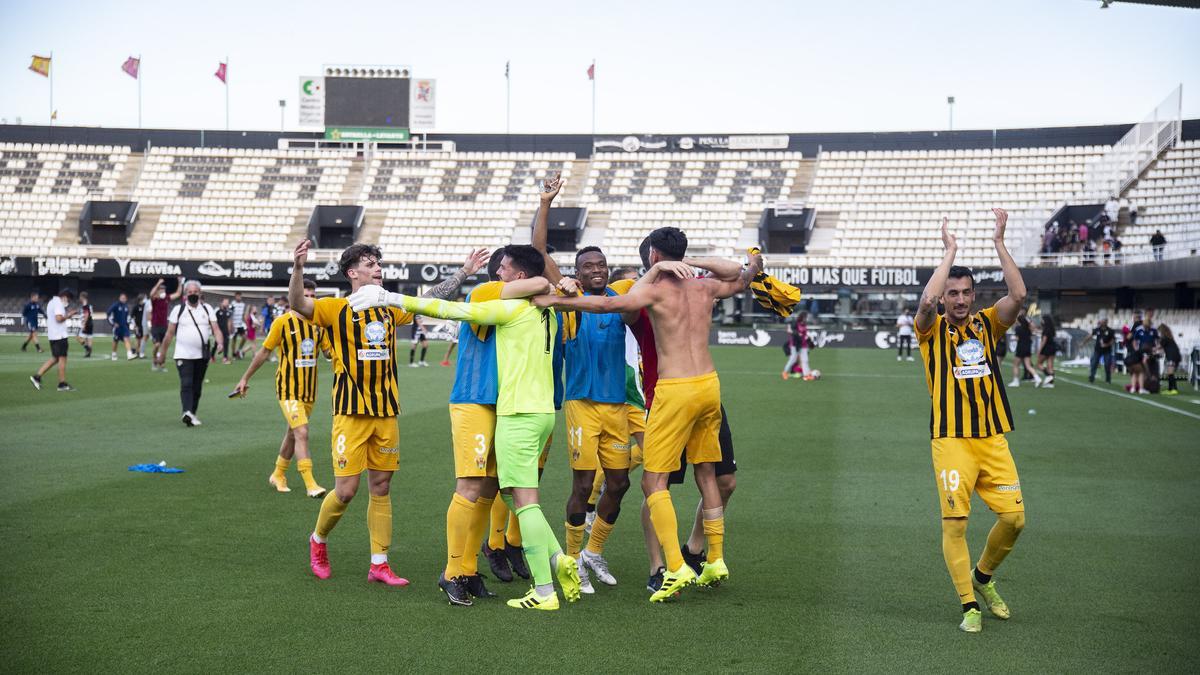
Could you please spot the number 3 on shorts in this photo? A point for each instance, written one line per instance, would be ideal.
(950, 480)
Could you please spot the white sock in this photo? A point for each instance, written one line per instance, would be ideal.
(318, 538)
(545, 590)
(378, 558)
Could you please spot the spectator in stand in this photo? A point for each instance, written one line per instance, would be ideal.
(1157, 243)
(57, 316)
(1024, 351)
(1047, 351)
(1172, 355)
(904, 334)
(225, 325)
(87, 326)
(1133, 212)
(160, 304)
(1083, 234)
(29, 314)
(193, 322)
(118, 318)
(137, 314)
(1103, 340)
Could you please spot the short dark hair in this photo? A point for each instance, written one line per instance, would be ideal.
(671, 242)
(310, 284)
(588, 249)
(494, 264)
(644, 251)
(960, 272)
(352, 255)
(526, 258)
(623, 273)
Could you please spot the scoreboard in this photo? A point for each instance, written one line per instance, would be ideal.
(367, 102)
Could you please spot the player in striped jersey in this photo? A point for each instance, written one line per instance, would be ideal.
(295, 387)
(969, 417)
(366, 398)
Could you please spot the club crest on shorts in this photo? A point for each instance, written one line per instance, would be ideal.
(375, 332)
(971, 351)
(307, 346)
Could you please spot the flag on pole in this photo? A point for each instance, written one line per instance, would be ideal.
(592, 72)
(131, 67)
(40, 65)
(54, 115)
(506, 65)
(220, 72)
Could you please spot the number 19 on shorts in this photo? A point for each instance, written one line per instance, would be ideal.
(950, 480)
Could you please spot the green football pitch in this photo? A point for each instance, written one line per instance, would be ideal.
(833, 536)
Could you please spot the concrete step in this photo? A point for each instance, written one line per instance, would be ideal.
(573, 193)
(68, 233)
(127, 181)
(804, 179)
(824, 231)
(352, 189)
(147, 223)
(372, 225)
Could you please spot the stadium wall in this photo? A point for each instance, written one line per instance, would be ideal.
(581, 144)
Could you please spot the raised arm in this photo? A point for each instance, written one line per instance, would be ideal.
(721, 268)
(155, 289)
(303, 306)
(524, 288)
(475, 261)
(937, 283)
(541, 227)
(1010, 305)
(632, 301)
(178, 290)
(490, 313)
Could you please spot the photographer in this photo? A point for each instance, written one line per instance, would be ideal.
(194, 322)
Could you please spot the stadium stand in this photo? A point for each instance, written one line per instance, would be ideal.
(1185, 323)
(889, 202)
(42, 184)
(1168, 199)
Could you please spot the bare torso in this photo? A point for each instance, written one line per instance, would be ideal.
(681, 317)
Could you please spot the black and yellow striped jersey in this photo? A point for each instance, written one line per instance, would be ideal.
(965, 384)
(364, 356)
(298, 342)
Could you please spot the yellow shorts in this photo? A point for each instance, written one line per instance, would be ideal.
(984, 465)
(296, 412)
(546, 451)
(637, 425)
(686, 414)
(473, 433)
(597, 435)
(365, 442)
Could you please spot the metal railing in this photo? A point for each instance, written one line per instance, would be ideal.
(1183, 248)
(1108, 175)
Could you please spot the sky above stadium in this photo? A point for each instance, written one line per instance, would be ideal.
(700, 66)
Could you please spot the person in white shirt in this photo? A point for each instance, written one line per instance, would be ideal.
(237, 310)
(57, 316)
(904, 335)
(191, 324)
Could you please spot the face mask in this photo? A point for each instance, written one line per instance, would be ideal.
(193, 299)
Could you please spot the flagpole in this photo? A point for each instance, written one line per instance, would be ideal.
(139, 79)
(226, 100)
(507, 99)
(593, 97)
(52, 87)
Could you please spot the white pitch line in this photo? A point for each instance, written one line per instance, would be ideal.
(1139, 398)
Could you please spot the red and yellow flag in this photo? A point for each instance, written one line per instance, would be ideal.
(40, 65)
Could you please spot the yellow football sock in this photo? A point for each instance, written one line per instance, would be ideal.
(597, 483)
(1000, 540)
(714, 535)
(513, 534)
(574, 539)
(379, 524)
(958, 557)
(305, 468)
(469, 564)
(281, 467)
(601, 528)
(499, 518)
(458, 522)
(666, 527)
(332, 509)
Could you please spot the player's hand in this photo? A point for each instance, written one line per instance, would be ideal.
(568, 286)
(300, 255)
(476, 260)
(551, 187)
(679, 268)
(1001, 223)
(948, 238)
(241, 388)
(370, 296)
(754, 258)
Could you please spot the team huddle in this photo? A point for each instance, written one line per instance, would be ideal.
(628, 362)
